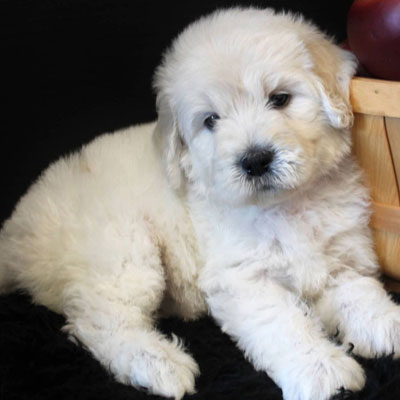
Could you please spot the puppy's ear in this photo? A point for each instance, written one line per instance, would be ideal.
(170, 141)
(334, 68)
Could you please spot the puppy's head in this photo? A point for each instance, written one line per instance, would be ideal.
(253, 106)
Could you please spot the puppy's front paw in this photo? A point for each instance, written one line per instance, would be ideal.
(321, 377)
(382, 337)
(162, 368)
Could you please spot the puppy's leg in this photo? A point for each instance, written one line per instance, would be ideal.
(360, 310)
(355, 305)
(111, 313)
(279, 334)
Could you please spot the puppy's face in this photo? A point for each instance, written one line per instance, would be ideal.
(254, 106)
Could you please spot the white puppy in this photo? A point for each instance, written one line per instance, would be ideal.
(243, 200)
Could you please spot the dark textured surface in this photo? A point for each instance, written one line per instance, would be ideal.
(38, 362)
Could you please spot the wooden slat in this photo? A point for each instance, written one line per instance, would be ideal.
(393, 134)
(375, 97)
(371, 146)
(372, 151)
(386, 218)
(388, 249)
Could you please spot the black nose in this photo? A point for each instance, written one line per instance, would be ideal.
(257, 162)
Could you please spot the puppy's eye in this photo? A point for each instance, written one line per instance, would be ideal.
(278, 100)
(210, 121)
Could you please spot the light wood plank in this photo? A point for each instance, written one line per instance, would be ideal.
(377, 147)
(393, 134)
(375, 97)
(371, 148)
(388, 249)
(386, 218)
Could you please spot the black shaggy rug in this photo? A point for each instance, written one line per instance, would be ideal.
(38, 362)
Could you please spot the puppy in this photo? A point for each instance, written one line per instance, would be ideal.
(242, 200)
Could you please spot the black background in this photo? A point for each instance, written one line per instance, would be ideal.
(73, 69)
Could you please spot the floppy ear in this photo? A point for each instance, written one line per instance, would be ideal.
(170, 141)
(334, 68)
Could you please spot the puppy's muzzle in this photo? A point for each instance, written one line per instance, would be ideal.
(256, 163)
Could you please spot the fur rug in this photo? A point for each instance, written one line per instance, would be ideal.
(38, 362)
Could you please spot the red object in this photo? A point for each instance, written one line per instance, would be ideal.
(373, 31)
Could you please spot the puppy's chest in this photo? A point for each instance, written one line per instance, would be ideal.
(287, 240)
(287, 232)
(286, 246)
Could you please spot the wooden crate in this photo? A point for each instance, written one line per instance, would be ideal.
(376, 144)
